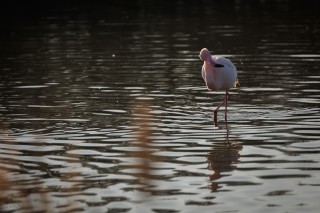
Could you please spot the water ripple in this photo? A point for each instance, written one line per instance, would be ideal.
(74, 87)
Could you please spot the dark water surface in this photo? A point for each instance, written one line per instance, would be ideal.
(75, 80)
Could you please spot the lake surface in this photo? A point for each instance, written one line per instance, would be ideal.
(103, 108)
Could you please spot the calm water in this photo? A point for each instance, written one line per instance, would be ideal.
(75, 80)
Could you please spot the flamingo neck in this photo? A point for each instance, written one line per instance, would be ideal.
(209, 65)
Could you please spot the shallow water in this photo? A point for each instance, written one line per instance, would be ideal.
(74, 81)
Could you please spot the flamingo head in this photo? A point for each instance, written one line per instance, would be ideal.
(206, 57)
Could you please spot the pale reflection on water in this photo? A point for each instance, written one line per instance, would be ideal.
(71, 78)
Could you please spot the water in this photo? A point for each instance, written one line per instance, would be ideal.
(103, 108)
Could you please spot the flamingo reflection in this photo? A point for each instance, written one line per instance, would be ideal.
(222, 158)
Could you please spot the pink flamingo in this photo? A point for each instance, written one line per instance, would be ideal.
(218, 73)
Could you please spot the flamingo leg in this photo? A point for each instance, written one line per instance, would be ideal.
(226, 111)
(225, 101)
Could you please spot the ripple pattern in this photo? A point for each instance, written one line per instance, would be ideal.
(102, 113)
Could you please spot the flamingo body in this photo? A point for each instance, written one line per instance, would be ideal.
(219, 78)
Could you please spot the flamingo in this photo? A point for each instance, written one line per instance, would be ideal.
(219, 73)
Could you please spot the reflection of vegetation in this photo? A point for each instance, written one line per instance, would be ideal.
(142, 129)
(15, 196)
(18, 193)
(36, 197)
(223, 158)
